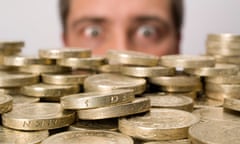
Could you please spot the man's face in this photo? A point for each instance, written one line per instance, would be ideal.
(140, 25)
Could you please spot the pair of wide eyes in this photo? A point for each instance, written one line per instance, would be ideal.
(96, 31)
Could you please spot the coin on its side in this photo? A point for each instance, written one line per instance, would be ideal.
(187, 61)
(227, 59)
(37, 116)
(181, 89)
(65, 78)
(88, 137)
(139, 105)
(218, 70)
(215, 132)
(10, 136)
(39, 69)
(180, 102)
(232, 104)
(159, 124)
(11, 90)
(4, 44)
(223, 37)
(46, 90)
(108, 125)
(177, 81)
(216, 114)
(6, 102)
(230, 90)
(183, 141)
(146, 71)
(17, 79)
(233, 79)
(25, 60)
(206, 102)
(22, 99)
(223, 51)
(91, 63)
(131, 58)
(107, 82)
(64, 53)
(97, 99)
(110, 68)
(223, 44)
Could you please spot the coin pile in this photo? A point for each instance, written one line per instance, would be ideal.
(126, 97)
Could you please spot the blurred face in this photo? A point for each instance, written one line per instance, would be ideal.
(140, 25)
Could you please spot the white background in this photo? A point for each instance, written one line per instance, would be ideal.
(37, 22)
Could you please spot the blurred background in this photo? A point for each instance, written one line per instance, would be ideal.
(37, 23)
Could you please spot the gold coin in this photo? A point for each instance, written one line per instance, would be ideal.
(65, 78)
(207, 102)
(46, 90)
(17, 79)
(183, 141)
(181, 89)
(108, 82)
(39, 69)
(13, 44)
(11, 90)
(192, 94)
(82, 63)
(219, 96)
(139, 105)
(97, 99)
(64, 53)
(230, 90)
(223, 51)
(110, 68)
(176, 81)
(232, 104)
(88, 137)
(22, 99)
(233, 79)
(8, 68)
(37, 116)
(227, 59)
(187, 61)
(9, 136)
(159, 124)
(223, 44)
(223, 37)
(108, 125)
(6, 51)
(216, 114)
(180, 102)
(215, 132)
(25, 60)
(218, 70)
(5, 103)
(132, 58)
(146, 71)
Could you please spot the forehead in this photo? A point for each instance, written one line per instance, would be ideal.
(122, 9)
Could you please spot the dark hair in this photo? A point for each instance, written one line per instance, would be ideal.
(177, 8)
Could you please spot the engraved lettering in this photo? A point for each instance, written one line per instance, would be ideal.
(114, 99)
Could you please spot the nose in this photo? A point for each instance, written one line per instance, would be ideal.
(120, 40)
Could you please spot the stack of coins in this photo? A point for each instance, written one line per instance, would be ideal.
(224, 85)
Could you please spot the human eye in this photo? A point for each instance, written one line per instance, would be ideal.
(92, 31)
(149, 33)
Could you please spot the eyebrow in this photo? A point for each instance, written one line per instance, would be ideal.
(88, 20)
(157, 19)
